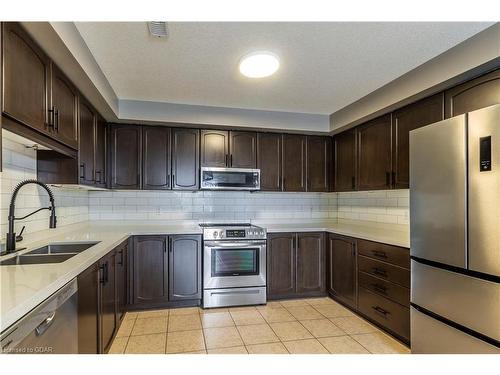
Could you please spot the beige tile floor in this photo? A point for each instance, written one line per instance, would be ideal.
(305, 326)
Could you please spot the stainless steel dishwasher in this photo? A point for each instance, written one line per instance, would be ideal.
(52, 327)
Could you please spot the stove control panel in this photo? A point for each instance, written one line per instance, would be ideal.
(234, 233)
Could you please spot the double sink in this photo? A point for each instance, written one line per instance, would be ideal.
(52, 253)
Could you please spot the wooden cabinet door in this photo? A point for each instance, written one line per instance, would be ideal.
(107, 315)
(269, 161)
(156, 158)
(88, 310)
(243, 148)
(184, 267)
(121, 280)
(294, 162)
(345, 161)
(64, 108)
(26, 79)
(413, 116)
(341, 269)
(214, 148)
(310, 277)
(100, 152)
(375, 154)
(474, 94)
(319, 155)
(281, 265)
(150, 269)
(185, 159)
(87, 145)
(125, 157)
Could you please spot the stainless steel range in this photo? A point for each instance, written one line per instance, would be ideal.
(234, 265)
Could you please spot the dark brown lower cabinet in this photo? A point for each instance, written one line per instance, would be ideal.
(341, 273)
(88, 310)
(295, 265)
(167, 271)
(184, 267)
(107, 313)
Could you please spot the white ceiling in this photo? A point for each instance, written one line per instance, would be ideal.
(324, 66)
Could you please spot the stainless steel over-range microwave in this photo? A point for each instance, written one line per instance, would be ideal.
(230, 178)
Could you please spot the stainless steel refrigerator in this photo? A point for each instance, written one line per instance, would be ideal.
(455, 234)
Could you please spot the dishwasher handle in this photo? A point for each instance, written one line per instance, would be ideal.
(40, 330)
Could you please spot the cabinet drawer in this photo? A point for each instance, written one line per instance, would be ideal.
(384, 271)
(389, 314)
(384, 288)
(387, 253)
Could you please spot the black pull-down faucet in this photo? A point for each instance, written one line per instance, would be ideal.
(11, 236)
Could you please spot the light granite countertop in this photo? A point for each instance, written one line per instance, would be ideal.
(23, 287)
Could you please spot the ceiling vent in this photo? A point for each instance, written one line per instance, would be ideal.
(158, 29)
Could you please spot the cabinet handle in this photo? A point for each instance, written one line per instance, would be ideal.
(56, 119)
(106, 272)
(353, 182)
(82, 170)
(170, 244)
(100, 176)
(380, 310)
(101, 274)
(379, 253)
(379, 272)
(387, 178)
(380, 288)
(121, 258)
(51, 118)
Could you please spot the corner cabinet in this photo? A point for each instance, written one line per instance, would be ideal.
(345, 161)
(167, 271)
(295, 265)
(319, 156)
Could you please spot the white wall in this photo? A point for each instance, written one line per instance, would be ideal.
(19, 163)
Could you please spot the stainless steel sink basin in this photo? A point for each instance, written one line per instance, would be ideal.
(52, 253)
(63, 248)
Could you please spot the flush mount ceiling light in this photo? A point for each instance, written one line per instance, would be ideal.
(259, 64)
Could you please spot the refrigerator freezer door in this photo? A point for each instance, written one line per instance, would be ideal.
(471, 302)
(484, 190)
(438, 192)
(430, 336)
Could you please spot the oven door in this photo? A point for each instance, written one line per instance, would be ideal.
(230, 179)
(234, 264)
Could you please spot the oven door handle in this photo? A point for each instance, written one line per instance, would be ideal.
(235, 245)
(236, 292)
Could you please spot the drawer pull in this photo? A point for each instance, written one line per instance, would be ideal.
(379, 272)
(380, 288)
(379, 254)
(380, 310)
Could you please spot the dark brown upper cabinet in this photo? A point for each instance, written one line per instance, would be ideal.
(294, 162)
(375, 154)
(184, 267)
(269, 161)
(26, 79)
(156, 158)
(86, 150)
(125, 148)
(100, 152)
(474, 94)
(406, 119)
(341, 268)
(243, 149)
(150, 270)
(319, 156)
(345, 161)
(185, 159)
(281, 265)
(310, 277)
(214, 148)
(64, 110)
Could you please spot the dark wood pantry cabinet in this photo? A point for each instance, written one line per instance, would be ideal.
(294, 162)
(269, 161)
(156, 163)
(374, 151)
(345, 161)
(185, 159)
(125, 154)
(295, 265)
(341, 269)
(319, 156)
